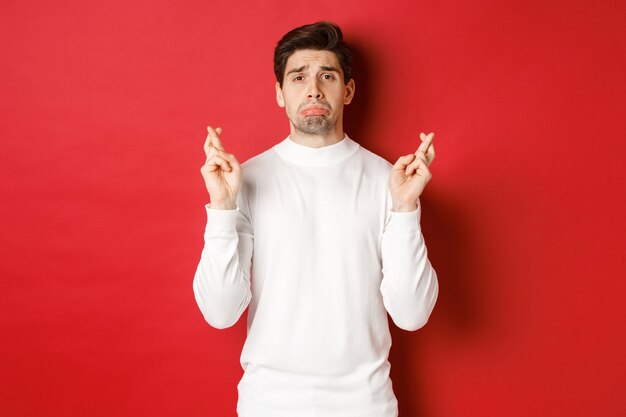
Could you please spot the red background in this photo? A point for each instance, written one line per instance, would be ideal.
(103, 113)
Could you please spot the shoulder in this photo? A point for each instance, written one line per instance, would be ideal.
(262, 161)
(258, 169)
(376, 162)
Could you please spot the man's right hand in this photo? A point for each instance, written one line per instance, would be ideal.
(221, 172)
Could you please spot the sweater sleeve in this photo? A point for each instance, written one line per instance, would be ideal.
(221, 284)
(409, 286)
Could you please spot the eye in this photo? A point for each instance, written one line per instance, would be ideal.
(328, 76)
(298, 78)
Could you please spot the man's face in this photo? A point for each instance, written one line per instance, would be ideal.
(313, 92)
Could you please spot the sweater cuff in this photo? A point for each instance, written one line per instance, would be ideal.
(406, 221)
(221, 220)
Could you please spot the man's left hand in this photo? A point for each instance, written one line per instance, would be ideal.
(410, 174)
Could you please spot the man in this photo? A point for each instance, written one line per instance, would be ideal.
(331, 233)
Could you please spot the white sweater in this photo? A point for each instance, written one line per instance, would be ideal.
(329, 259)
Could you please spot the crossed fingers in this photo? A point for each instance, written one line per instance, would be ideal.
(425, 154)
(215, 154)
(213, 140)
(426, 151)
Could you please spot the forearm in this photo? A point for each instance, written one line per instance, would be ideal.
(221, 283)
(409, 286)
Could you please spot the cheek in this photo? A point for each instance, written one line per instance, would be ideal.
(291, 103)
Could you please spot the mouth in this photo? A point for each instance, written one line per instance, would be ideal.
(314, 111)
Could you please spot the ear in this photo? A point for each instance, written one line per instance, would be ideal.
(350, 87)
(279, 95)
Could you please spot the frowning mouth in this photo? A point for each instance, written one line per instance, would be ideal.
(314, 111)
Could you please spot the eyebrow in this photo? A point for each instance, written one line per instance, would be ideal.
(299, 69)
(302, 68)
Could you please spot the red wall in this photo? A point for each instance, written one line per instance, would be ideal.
(103, 113)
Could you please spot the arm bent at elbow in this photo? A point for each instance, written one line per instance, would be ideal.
(221, 284)
(409, 286)
(221, 301)
(410, 311)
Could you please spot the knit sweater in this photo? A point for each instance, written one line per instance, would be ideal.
(316, 254)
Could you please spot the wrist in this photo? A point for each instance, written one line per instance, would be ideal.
(219, 205)
(400, 207)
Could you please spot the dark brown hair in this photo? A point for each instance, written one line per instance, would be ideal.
(321, 36)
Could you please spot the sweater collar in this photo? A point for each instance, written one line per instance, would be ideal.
(307, 156)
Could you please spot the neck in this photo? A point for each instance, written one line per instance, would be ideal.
(318, 141)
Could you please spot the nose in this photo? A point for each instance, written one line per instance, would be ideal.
(314, 90)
